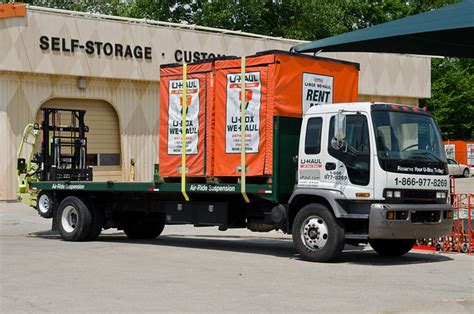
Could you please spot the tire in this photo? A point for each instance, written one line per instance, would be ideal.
(98, 218)
(45, 204)
(389, 247)
(74, 219)
(144, 226)
(317, 235)
(465, 173)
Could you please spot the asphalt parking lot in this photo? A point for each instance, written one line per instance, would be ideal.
(204, 270)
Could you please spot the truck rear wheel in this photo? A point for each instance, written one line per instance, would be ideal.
(144, 226)
(389, 247)
(98, 217)
(74, 219)
(317, 235)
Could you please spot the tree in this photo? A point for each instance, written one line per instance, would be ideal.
(452, 101)
(176, 11)
(297, 19)
(109, 7)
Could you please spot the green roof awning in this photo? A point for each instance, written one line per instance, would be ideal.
(448, 31)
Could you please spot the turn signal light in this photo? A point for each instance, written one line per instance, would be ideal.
(362, 194)
(390, 215)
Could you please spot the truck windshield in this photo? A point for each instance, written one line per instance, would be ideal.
(408, 142)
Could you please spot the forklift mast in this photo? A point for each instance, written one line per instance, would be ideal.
(63, 154)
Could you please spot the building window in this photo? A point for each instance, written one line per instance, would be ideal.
(92, 160)
(110, 159)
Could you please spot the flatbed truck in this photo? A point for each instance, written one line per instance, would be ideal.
(345, 173)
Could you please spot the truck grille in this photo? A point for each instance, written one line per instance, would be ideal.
(418, 194)
(415, 197)
(425, 216)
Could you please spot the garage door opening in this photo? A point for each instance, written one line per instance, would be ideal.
(103, 139)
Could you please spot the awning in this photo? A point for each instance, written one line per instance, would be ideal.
(448, 31)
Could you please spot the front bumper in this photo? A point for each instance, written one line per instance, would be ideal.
(411, 227)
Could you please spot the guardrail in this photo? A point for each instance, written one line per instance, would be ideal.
(461, 237)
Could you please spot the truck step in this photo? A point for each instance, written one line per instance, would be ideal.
(356, 236)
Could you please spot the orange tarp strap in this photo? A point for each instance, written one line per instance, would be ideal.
(243, 142)
(12, 10)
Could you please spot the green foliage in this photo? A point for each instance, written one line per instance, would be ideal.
(452, 101)
(176, 11)
(291, 19)
(365, 13)
(110, 7)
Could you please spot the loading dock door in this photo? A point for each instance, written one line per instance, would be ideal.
(103, 139)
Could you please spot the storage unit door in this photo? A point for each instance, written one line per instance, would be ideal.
(103, 138)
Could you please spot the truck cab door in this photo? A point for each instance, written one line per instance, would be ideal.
(309, 160)
(348, 168)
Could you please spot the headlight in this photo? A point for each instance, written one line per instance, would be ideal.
(440, 194)
(393, 194)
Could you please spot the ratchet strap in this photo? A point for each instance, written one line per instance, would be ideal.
(183, 134)
(243, 144)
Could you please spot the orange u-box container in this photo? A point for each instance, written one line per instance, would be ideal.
(198, 108)
(278, 83)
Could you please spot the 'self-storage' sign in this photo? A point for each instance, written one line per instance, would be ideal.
(98, 48)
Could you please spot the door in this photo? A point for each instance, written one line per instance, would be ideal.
(103, 138)
(310, 159)
(348, 169)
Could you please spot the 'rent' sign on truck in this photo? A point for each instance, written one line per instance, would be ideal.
(272, 141)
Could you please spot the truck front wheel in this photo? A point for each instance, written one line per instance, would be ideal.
(317, 235)
(144, 226)
(389, 247)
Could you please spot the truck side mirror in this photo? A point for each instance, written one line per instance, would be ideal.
(338, 140)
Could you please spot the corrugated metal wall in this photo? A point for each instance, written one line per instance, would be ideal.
(390, 99)
(135, 102)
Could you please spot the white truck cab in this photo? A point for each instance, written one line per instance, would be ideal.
(380, 168)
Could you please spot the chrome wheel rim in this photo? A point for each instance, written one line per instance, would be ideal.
(69, 219)
(44, 203)
(314, 233)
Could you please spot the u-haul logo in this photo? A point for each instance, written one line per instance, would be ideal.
(310, 163)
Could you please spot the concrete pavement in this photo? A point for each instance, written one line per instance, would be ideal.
(203, 270)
